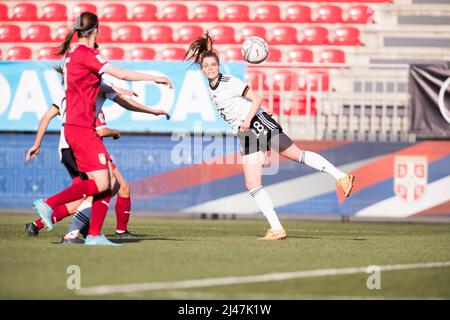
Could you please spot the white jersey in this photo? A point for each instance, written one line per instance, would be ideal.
(228, 97)
(100, 101)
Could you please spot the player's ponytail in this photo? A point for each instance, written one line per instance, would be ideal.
(85, 24)
(201, 48)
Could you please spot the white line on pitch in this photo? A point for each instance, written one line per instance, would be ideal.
(210, 282)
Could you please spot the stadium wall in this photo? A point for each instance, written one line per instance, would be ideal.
(187, 173)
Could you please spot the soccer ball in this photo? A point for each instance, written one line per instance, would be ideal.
(255, 50)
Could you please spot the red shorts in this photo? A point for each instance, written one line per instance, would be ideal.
(88, 149)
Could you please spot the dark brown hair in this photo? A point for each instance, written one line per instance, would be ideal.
(201, 48)
(85, 24)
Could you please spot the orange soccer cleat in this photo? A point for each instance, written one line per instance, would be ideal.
(274, 235)
(346, 184)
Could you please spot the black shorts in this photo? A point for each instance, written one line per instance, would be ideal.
(68, 160)
(263, 128)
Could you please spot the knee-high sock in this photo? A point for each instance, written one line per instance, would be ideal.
(316, 161)
(100, 206)
(58, 214)
(265, 204)
(74, 192)
(82, 217)
(123, 207)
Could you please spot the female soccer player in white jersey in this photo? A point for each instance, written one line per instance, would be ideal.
(83, 67)
(257, 132)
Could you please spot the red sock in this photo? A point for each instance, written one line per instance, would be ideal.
(60, 213)
(72, 193)
(123, 207)
(39, 224)
(100, 206)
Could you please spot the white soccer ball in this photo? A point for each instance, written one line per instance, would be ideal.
(255, 50)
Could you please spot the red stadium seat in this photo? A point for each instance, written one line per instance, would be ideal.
(316, 81)
(173, 54)
(284, 35)
(236, 13)
(19, 53)
(24, 12)
(79, 8)
(329, 14)
(348, 36)
(159, 34)
(61, 33)
(250, 30)
(298, 13)
(299, 105)
(3, 12)
(104, 34)
(112, 53)
(114, 12)
(314, 36)
(38, 33)
(300, 55)
(332, 56)
(205, 13)
(188, 33)
(360, 14)
(274, 55)
(272, 102)
(10, 33)
(174, 12)
(285, 80)
(257, 80)
(222, 34)
(267, 13)
(232, 54)
(144, 12)
(54, 12)
(129, 34)
(48, 53)
(142, 53)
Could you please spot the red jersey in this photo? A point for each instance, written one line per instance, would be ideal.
(83, 67)
(100, 122)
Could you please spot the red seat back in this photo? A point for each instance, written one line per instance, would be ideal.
(298, 13)
(54, 12)
(24, 12)
(205, 13)
(329, 14)
(267, 13)
(188, 33)
(129, 34)
(284, 35)
(144, 12)
(142, 53)
(173, 54)
(10, 33)
(114, 12)
(112, 53)
(222, 34)
(300, 55)
(314, 35)
(159, 34)
(236, 13)
(19, 53)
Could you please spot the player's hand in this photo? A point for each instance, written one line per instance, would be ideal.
(244, 126)
(32, 152)
(165, 81)
(160, 112)
(116, 135)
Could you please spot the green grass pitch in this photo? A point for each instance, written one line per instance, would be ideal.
(172, 250)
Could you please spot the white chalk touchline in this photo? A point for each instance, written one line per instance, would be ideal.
(210, 282)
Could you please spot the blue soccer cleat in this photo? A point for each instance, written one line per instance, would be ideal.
(45, 212)
(99, 241)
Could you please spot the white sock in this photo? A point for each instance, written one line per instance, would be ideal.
(265, 204)
(316, 161)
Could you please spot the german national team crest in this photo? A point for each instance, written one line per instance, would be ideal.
(410, 177)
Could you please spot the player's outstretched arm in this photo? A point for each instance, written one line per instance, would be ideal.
(130, 75)
(135, 106)
(43, 124)
(105, 132)
(256, 103)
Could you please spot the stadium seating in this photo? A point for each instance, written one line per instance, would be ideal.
(104, 34)
(332, 56)
(284, 35)
(275, 55)
(205, 12)
(37, 33)
(144, 12)
(174, 12)
(257, 80)
(222, 34)
(300, 55)
(79, 8)
(329, 14)
(236, 13)
(54, 12)
(3, 12)
(267, 13)
(316, 81)
(159, 34)
(298, 13)
(61, 32)
(48, 53)
(188, 33)
(346, 36)
(272, 101)
(232, 54)
(114, 12)
(360, 14)
(285, 80)
(112, 53)
(299, 105)
(142, 53)
(129, 34)
(10, 33)
(314, 35)
(24, 12)
(173, 54)
(251, 30)
(19, 53)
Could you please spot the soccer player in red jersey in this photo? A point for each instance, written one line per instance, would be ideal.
(83, 67)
